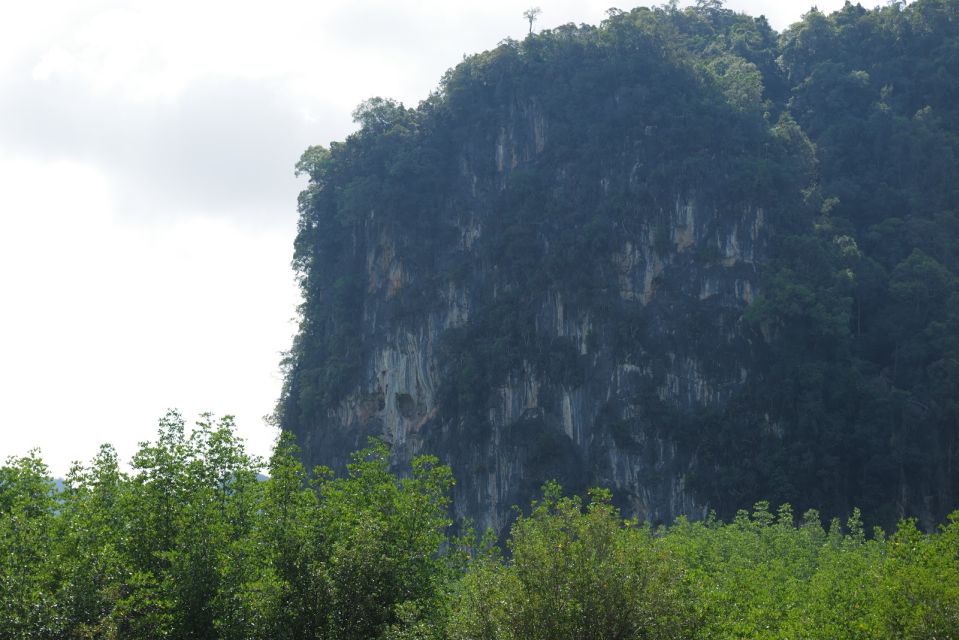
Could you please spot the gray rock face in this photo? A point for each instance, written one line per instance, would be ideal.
(664, 335)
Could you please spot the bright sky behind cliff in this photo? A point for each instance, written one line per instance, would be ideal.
(147, 198)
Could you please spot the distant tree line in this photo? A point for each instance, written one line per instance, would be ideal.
(191, 543)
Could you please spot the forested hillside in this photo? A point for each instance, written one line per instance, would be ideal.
(677, 254)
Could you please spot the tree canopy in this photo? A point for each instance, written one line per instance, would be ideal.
(192, 543)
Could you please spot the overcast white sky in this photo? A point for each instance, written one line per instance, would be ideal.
(147, 198)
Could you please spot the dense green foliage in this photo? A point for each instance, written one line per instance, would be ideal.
(843, 129)
(862, 302)
(191, 544)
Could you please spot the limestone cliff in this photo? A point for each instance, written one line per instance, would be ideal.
(562, 289)
(606, 255)
(598, 426)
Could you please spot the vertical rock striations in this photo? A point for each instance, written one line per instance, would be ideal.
(604, 256)
(569, 282)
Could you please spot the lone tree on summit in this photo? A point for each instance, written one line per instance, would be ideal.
(531, 15)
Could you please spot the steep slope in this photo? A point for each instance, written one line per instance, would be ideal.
(601, 255)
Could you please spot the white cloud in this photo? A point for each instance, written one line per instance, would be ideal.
(204, 106)
(108, 324)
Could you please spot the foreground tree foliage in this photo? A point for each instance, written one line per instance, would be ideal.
(576, 572)
(192, 543)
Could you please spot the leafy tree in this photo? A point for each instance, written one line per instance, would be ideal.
(577, 571)
(531, 15)
(29, 570)
(383, 537)
(93, 519)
